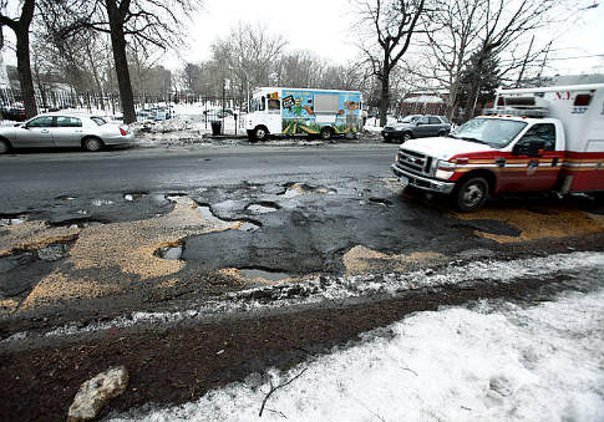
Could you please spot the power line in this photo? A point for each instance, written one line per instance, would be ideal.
(591, 56)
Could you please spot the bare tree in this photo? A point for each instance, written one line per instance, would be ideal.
(140, 22)
(392, 24)
(505, 25)
(20, 26)
(450, 39)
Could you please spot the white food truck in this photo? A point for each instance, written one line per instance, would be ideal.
(292, 111)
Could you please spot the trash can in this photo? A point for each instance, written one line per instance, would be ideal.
(216, 128)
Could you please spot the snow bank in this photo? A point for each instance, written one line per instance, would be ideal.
(491, 363)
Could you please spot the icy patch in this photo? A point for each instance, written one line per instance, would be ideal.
(297, 189)
(262, 208)
(101, 202)
(539, 364)
(172, 253)
(11, 221)
(324, 288)
(207, 215)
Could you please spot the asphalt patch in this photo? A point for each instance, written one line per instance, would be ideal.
(310, 231)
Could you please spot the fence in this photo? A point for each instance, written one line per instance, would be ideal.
(109, 102)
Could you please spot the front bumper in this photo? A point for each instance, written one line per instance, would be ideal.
(390, 134)
(424, 183)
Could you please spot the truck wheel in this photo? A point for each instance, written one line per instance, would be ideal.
(326, 133)
(471, 194)
(260, 134)
(407, 136)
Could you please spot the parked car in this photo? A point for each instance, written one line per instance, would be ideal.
(15, 113)
(417, 126)
(91, 133)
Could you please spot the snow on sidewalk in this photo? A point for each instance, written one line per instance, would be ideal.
(493, 362)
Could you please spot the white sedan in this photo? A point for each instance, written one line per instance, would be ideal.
(91, 133)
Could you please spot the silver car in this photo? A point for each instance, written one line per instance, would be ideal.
(91, 133)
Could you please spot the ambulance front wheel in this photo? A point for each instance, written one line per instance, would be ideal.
(471, 194)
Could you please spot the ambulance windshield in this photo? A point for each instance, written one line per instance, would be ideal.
(496, 133)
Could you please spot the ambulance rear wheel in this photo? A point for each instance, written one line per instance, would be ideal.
(326, 133)
(471, 194)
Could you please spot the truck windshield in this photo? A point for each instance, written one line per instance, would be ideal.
(496, 133)
(257, 104)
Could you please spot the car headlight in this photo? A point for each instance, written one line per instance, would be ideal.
(445, 165)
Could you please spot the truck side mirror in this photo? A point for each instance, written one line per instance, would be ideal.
(532, 148)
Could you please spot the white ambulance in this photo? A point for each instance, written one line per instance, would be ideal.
(533, 140)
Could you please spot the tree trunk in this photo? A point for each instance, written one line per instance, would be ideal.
(25, 75)
(384, 97)
(118, 44)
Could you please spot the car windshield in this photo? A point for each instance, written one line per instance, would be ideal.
(496, 133)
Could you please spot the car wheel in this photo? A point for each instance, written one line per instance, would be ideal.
(442, 133)
(326, 133)
(260, 134)
(93, 144)
(4, 147)
(406, 136)
(472, 194)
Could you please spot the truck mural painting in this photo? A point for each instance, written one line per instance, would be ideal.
(292, 111)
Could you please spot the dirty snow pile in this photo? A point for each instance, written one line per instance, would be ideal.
(493, 362)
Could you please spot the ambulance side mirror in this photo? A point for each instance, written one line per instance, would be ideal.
(531, 148)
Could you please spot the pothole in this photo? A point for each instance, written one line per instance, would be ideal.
(175, 196)
(249, 226)
(65, 198)
(495, 227)
(295, 189)
(262, 207)
(380, 201)
(52, 252)
(135, 196)
(254, 273)
(170, 252)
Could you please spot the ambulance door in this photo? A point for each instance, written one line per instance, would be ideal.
(536, 164)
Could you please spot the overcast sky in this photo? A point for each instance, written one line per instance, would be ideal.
(324, 27)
